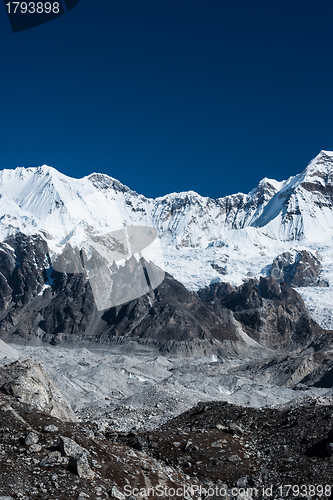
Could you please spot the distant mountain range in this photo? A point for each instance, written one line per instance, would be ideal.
(42, 200)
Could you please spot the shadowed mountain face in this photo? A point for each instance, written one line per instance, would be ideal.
(171, 313)
(39, 303)
(273, 314)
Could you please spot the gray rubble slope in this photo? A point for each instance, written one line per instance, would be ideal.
(29, 382)
(141, 388)
(7, 352)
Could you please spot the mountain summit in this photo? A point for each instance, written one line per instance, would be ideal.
(33, 199)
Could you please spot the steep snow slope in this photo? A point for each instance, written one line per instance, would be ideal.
(303, 207)
(239, 235)
(298, 208)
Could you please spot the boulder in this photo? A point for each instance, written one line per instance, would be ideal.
(32, 438)
(80, 466)
(70, 448)
(29, 382)
(50, 428)
(115, 493)
(78, 458)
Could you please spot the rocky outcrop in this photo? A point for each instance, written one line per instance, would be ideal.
(171, 313)
(271, 313)
(22, 260)
(36, 301)
(298, 269)
(29, 382)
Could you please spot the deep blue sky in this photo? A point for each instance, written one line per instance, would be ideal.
(171, 95)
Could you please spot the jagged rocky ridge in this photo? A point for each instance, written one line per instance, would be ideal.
(271, 313)
(41, 304)
(200, 239)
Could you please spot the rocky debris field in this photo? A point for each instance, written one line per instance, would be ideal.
(255, 446)
(43, 457)
(133, 386)
(226, 450)
(258, 453)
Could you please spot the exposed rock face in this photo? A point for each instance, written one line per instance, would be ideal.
(66, 310)
(298, 269)
(41, 304)
(22, 260)
(28, 381)
(171, 313)
(35, 300)
(273, 314)
(67, 307)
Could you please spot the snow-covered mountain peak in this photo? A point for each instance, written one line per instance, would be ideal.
(270, 183)
(104, 182)
(45, 201)
(322, 164)
(202, 239)
(327, 153)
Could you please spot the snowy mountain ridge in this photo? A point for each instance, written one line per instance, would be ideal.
(240, 233)
(295, 209)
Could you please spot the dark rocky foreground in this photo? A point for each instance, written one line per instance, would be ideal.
(233, 450)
